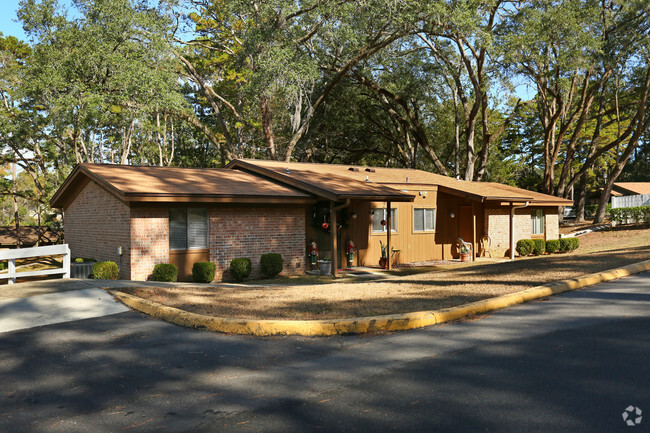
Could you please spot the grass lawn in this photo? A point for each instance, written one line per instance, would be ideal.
(408, 289)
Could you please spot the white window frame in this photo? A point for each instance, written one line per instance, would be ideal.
(393, 220)
(537, 220)
(424, 209)
(187, 229)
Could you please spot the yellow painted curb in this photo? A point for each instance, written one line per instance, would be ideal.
(359, 325)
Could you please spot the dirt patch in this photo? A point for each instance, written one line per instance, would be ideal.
(428, 289)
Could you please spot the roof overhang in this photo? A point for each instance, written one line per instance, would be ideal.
(320, 192)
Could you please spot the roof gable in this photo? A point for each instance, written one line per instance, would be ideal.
(134, 183)
(632, 188)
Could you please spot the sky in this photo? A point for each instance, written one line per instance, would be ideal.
(8, 26)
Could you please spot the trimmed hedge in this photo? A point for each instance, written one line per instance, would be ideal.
(631, 215)
(105, 271)
(203, 272)
(553, 246)
(565, 245)
(525, 247)
(539, 247)
(167, 272)
(240, 268)
(271, 264)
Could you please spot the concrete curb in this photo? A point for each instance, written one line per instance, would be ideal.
(392, 322)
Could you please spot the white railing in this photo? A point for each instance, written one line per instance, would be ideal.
(51, 250)
(631, 201)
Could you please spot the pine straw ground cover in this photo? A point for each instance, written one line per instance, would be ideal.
(408, 289)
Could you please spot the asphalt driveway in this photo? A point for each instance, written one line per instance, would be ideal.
(572, 362)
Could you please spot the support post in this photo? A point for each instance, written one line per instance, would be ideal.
(11, 271)
(66, 262)
(335, 258)
(388, 226)
(474, 240)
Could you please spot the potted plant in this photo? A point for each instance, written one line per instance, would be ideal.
(465, 251)
(383, 261)
(325, 266)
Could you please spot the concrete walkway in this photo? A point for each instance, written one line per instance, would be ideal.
(38, 303)
(66, 306)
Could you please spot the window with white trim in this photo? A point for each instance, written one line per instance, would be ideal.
(188, 228)
(424, 219)
(537, 222)
(381, 214)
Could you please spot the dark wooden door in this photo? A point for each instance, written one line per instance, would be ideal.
(466, 223)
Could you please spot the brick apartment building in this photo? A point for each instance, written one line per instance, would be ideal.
(141, 216)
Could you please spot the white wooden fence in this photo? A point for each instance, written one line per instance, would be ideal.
(631, 201)
(51, 250)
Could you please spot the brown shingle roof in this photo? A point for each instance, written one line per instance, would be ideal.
(330, 181)
(133, 183)
(632, 188)
(335, 178)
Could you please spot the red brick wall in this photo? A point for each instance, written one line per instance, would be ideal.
(241, 231)
(96, 223)
(149, 240)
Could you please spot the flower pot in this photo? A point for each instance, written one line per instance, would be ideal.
(325, 267)
(383, 263)
(465, 257)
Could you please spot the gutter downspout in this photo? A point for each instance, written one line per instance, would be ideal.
(335, 253)
(512, 228)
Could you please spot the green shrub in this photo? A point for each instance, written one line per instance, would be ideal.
(105, 271)
(203, 272)
(167, 272)
(565, 245)
(574, 243)
(630, 215)
(83, 260)
(552, 246)
(539, 247)
(524, 247)
(240, 268)
(271, 264)
(2, 266)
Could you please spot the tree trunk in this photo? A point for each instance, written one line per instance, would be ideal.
(267, 127)
(14, 192)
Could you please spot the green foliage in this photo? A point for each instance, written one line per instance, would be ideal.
(539, 247)
(630, 215)
(105, 271)
(83, 260)
(574, 244)
(203, 272)
(565, 245)
(271, 264)
(167, 272)
(552, 246)
(2, 266)
(240, 268)
(524, 247)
